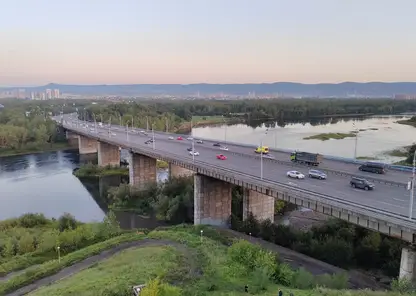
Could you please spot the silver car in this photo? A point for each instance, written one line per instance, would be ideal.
(317, 174)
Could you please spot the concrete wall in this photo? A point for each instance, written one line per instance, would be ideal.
(408, 265)
(87, 145)
(212, 201)
(142, 170)
(177, 171)
(72, 139)
(108, 154)
(259, 204)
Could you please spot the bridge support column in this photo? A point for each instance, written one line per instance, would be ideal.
(87, 145)
(142, 170)
(408, 265)
(108, 154)
(212, 201)
(260, 205)
(72, 139)
(177, 171)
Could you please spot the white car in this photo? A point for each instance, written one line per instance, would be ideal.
(295, 174)
(195, 153)
(225, 148)
(189, 138)
(170, 138)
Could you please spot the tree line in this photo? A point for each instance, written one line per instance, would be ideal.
(171, 114)
(336, 242)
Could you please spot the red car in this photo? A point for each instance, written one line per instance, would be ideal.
(221, 156)
(179, 138)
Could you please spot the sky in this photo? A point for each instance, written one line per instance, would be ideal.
(206, 41)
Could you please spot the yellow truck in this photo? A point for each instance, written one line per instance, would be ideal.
(262, 149)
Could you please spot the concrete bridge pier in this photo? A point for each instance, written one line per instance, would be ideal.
(260, 205)
(72, 139)
(108, 154)
(177, 171)
(408, 265)
(142, 170)
(87, 145)
(212, 201)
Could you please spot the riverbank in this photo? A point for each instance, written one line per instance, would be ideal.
(93, 170)
(36, 150)
(202, 121)
(411, 121)
(328, 136)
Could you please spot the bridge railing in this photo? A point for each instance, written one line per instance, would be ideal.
(296, 192)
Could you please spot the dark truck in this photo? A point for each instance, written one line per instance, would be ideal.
(306, 157)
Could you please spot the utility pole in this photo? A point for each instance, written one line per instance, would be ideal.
(147, 123)
(153, 137)
(412, 186)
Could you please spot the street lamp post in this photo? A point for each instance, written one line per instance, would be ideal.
(193, 150)
(95, 122)
(59, 254)
(109, 127)
(153, 137)
(127, 131)
(412, 186)
(147, 123)
(356, 141)
(261, 159)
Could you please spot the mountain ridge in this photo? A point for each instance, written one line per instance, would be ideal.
(276, 88)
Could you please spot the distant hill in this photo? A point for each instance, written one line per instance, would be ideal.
(371, 89)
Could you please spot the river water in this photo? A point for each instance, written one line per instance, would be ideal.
(377, 136)
(44, 183)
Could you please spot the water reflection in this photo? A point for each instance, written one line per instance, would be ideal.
(378, 134)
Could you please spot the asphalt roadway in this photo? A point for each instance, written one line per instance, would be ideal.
(385, 197)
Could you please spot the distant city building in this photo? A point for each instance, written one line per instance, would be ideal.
(43, 96)
(48, 94)
(404, 97)
(56, 94)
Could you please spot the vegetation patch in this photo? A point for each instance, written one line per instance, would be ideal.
(32, 239)
(398, 152)
(367, 158)
(117, 274)
(49, 268)
(93, 170)
(411, 121)
(328, 136)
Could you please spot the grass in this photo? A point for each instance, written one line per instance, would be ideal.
(35, 149)
(398, 152)
(92, 170)
(49, 268)
(128, 268)
(204, 269)
(328, 136)
(411, 121)
(367, 158)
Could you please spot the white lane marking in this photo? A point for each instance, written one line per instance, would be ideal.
(393, 205)
(292, 184)
(398, 199)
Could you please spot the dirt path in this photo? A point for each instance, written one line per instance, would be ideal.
(86, 263)
(357, 280)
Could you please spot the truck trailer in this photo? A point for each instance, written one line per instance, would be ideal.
(306, 158)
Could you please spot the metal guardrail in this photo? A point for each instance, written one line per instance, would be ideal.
(297, 165)
(401, 220)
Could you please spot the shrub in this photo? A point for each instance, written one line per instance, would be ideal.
(302, 279)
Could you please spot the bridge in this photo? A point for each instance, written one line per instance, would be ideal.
(385, 209)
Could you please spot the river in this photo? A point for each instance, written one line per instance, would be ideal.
(44, 183)
(377, 136)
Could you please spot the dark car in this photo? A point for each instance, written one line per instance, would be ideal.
(149, 141)
(216, 144)
(317, 174)
(361, 183)
(189, 149)
(373, 167)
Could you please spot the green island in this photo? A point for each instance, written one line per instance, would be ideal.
(175, 260)
(407, 152)
(93, 170)
(411, 121)
(328, 136)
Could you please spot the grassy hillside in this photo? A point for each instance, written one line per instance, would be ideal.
(183, 260)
